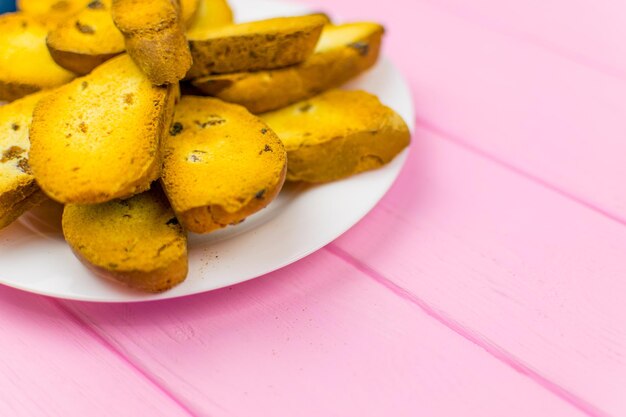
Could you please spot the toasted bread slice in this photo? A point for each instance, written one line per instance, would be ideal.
(343, 52)
(18, 189)
(25, 63)
(252, 46)
(86, 39)
(90, 37)
(155, 37)
(220, 164)
(98, 138)
(338, 134)
(210, 14)
(52, 11)
(11, 213)
(188, 11)
(137, 241)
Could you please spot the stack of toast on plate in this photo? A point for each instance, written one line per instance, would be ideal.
(151, 120)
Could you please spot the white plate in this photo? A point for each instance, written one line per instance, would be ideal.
(34, 257)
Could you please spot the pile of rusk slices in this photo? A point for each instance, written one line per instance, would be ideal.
(96, 121)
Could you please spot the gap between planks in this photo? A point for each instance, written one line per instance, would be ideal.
(485, 155)
(493, 350)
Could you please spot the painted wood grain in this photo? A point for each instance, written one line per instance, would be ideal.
(521, 270)
(588, 32)
(473, 289)
(318, 338)
(560, 122)
(52, 365)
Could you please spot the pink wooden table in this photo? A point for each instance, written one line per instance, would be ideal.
(490, 281)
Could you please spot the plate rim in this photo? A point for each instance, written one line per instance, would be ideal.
(399, 161)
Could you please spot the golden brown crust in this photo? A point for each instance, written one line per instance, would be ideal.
(155, 38)
(221, 164)
(206, 219)
(87, 39)
(25, 63)
(9, 214)
(78, 62)
(154, 281)
(18, 190)
(343, 52)
(137, 242)
(98, 138)
(338, 134)
(260, 45)
(10, 91)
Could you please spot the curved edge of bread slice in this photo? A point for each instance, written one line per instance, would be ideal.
(155, 37)
(18, 190)
(25, 63)
(338, 134)
(87, 39)
(137, 242)
(342, 53)
(220, 165)
(98, 138)
(259, 45)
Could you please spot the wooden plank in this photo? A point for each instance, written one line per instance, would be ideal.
(53, 365)
(317, 338)
(588, 32)
(516, 268)
(557, 121)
